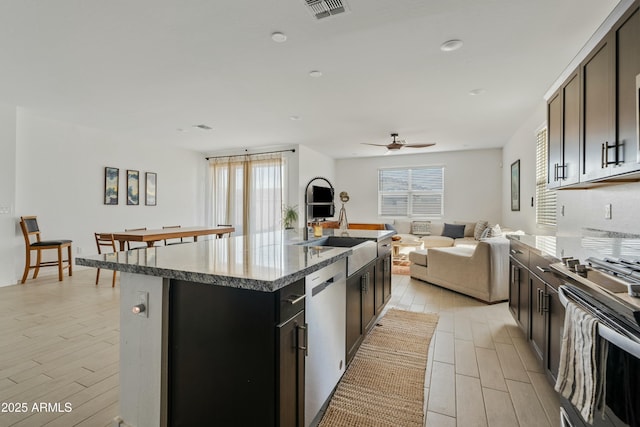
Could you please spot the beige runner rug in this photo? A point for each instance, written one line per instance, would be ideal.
(384, 384)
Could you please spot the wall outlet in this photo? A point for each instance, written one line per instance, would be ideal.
(607, 211)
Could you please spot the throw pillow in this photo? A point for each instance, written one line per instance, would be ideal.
(420, 228)
(486, 233)
(455, 231)
(496, 231)
(468, 227)
(480, 227)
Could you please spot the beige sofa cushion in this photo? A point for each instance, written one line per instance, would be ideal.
(437, 241)
(419, 257)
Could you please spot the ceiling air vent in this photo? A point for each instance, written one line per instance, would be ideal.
(326, 8)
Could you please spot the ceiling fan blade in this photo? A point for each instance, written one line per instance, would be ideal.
(377, 145)
(419, 145)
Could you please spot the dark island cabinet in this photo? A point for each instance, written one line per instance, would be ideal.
(383, 281)
(360, 307)
(236, 356)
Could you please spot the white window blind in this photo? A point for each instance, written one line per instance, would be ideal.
(546, 206)
(405, 192)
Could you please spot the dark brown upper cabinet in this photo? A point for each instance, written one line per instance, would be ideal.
(593, 117)
(563, 120)
(627, 41)
(598, 113)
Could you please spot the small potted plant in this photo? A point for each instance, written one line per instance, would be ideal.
(289, 216)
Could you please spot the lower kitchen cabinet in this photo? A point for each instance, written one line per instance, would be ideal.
(538, 315)
(555, 328)
(519, 294)
(231, 349)
(360, 307)
(535, 305)
(383, 281)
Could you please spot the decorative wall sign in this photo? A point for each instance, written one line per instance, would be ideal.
(515, 185)
(111, 177)
(151, 180)
(133, 187)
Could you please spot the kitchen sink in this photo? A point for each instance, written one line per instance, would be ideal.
(334, 242)
(364, 251)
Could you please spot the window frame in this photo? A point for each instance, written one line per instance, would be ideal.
(410, 192)
(546, 199)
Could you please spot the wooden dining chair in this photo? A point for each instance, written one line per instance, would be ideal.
(129, 243)
(33, 242)
(172, 241)
(105, 240)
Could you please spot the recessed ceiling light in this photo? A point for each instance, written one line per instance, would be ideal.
(475, 92)
(315, 73)
(451, 45)
(294, 117)
(279, 37)
(203, 127)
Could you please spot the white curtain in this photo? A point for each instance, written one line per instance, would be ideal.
(246, 192)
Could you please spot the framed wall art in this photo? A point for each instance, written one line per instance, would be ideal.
(133, 187)
(111, 177)
(515, 185)
(151, 179)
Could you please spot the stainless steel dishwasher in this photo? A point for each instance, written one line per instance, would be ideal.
(326, 316)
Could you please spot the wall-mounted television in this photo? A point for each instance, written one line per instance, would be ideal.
(321, 195)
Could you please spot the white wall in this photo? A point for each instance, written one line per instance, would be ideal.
(312, 164)
(585, 209)
(9, 242)
(60, 178)
(522, 146)
(473, 182)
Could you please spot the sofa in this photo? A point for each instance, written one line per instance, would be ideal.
(479, 270)
(472, 260)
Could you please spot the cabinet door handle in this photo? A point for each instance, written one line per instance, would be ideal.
(294, 299)
(602, 157)
(543, 269)
(305, 347)
(539, 301)
(516, 251)
(546, 300)
(555, 172)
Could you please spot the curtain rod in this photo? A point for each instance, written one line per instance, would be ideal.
(293, 150)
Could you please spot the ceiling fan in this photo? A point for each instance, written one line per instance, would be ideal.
(397, 144)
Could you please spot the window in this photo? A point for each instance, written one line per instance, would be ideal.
(407, 192)
(247, 192)
(546, 206)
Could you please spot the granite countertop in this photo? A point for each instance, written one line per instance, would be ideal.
(263, 262)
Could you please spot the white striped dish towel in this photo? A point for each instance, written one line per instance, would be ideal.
(582, 362)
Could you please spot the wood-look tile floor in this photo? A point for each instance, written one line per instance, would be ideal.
(59, 345)
(480, 371)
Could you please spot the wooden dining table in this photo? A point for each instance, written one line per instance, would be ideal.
(152, 236)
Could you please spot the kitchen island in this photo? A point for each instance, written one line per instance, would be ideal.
(214, 332)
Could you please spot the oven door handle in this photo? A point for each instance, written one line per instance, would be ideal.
(630, 346)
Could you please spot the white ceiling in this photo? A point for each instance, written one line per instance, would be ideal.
(145, 68)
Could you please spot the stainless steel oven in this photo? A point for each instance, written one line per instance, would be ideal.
(605, 289)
